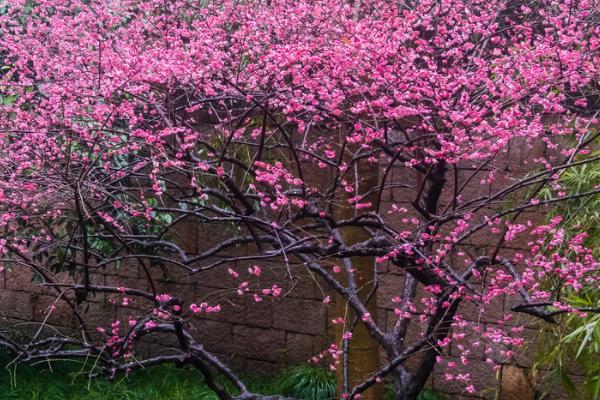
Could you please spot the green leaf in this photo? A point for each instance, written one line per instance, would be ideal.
(8, 100)
(567, 383)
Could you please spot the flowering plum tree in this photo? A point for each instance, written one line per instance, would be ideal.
(286, 124)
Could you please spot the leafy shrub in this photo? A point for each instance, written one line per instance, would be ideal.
(308, 383)
(574, 343)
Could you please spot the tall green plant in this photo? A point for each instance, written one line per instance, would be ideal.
(573, 345)
(309, 383)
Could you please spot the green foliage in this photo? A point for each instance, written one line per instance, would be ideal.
(428, 394)
(312, 383)
(309, 383)
(66, 380)
(575, 341)
(580, 214)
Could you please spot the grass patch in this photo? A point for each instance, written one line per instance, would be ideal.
(306, 382)
(66, 381)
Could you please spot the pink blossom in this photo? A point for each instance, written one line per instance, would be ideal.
(255, 270)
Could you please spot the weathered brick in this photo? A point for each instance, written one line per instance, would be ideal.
(304, 316)
(262, 368)
(390, 285)
(163, 341)
(258, 343)
(303, 286)
(215, 278)
(20, 279)
(186, 235)
(98, 313)
(128, 282)
(214, 335)
(232, 310)
(180, 289)
(259, 314)
(128, 268)
(299, 347)
(17, 304)
(52, 312)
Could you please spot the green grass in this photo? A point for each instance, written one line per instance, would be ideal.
(64, 381)
(306, 382)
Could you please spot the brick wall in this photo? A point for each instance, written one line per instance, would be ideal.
(264, 337)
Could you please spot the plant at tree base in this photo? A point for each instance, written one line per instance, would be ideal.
(125, 120)
(305, 382)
